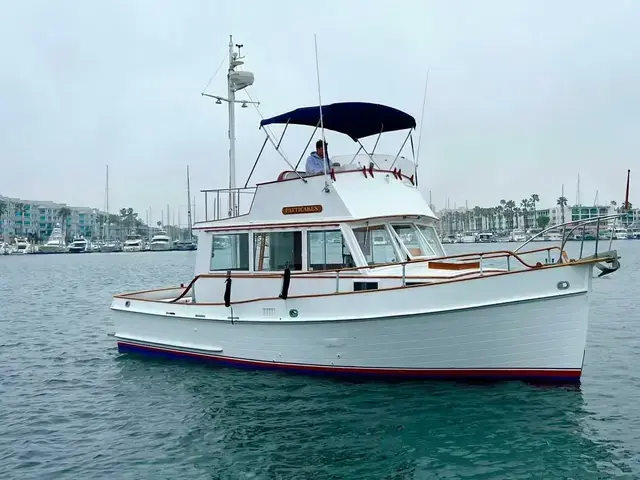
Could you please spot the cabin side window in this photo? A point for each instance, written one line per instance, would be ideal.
(230, 252)
(327, 250)
(273, 251)
(376, 244)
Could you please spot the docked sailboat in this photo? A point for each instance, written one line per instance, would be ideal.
(55, 243)
(380, 299)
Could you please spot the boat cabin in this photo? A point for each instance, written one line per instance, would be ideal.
(365, 211)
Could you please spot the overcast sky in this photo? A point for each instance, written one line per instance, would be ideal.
(522, 96)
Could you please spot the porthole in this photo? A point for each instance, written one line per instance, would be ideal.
(563, 285)
(293, 313)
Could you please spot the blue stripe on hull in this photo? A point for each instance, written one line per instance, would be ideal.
(560, 376)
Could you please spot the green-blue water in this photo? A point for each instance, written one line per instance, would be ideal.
(71, 407)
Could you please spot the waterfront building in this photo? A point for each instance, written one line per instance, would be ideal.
(37, 217)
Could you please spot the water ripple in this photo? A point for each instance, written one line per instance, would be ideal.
(72, 407)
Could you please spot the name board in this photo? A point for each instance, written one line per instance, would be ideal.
(301, 209)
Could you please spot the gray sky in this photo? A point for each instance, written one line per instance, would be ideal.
(523, 96)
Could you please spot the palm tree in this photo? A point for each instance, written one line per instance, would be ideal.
(499, 211)
(115, 221)
(534, 199)
(516, 212)
(524, 205)
(63, 214)
(562, 202)
(477, 218)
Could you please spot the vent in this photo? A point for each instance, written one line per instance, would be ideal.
(360, 286)
(268, 312)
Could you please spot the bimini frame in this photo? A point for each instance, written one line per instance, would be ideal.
(357, 120)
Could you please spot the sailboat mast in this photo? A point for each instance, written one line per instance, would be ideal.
(106, 194)
(626, 196)
(189, 224)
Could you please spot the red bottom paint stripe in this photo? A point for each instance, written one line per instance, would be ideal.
(553, 375)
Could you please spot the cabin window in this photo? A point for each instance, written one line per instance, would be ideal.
(376, 244)
(230, 252)
(412, 241)
(431, 237)
(273, 251)
(326, 250)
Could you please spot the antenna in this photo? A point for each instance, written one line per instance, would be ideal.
(424, 102)
(236, 81)
(324, 143)
(578, 192)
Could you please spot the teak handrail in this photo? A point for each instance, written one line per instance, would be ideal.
(467, 256)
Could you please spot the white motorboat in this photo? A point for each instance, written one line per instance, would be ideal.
(79, 245)
(270, 291)
(133, 243)
(21, 246)
(111, 246)
(160, 242)
(518, 235)
(56, 243)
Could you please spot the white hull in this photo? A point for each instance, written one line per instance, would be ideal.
(160, 247)
(510, 326)
(132, 248)
(52, 249)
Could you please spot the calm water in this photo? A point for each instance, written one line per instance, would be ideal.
(72, 407)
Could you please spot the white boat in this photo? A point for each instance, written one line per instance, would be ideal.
(466, 237)
(133, 243)
(619, 233)
(552, 237)
(486, 237)
(56, 243)
(21, 246)
(111, 246)
(160, 242)
(277, 298)
(79, 245)
(518, 235)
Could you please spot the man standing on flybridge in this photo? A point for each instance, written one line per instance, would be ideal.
(315, 162)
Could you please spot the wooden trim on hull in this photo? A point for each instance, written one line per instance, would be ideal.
(560, 376)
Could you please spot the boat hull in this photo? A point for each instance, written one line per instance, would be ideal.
(537, 338)
(160, 247)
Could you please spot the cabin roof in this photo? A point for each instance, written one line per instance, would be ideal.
(355, 119)
(353, 197)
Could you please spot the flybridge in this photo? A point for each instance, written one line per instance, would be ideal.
(357, 120)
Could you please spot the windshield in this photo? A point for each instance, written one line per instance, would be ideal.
(376, 244)
(431, 237)
(412, 240)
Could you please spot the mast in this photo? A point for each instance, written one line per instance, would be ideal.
(106, 194)
(189, 224)
(626, 196)
(231, 95)
(236, 81)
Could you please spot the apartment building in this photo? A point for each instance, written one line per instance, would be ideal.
(40, 217)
